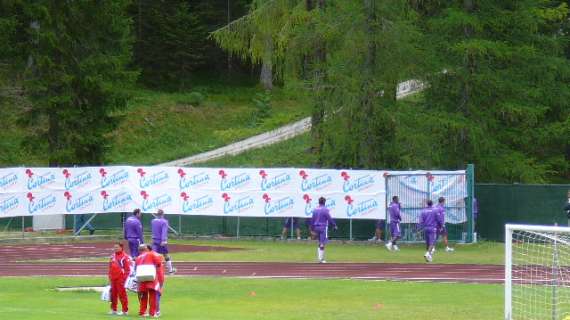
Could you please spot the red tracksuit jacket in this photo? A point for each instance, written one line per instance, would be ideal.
(119, 266)
(155, 259)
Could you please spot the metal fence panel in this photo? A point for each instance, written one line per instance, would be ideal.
(414, 190)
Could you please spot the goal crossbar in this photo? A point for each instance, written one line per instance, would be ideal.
(528, 227)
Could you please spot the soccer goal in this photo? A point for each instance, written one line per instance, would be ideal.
(537, 272)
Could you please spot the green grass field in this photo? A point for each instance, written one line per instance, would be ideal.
(304, 251)
(226, 298)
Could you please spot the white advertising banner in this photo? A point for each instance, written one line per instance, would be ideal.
(271, 192)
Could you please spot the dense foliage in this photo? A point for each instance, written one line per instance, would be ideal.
(172, 43)
(74, 57)
(497, 74)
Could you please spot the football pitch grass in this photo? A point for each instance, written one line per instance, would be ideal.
(237, 298)
(305, 251)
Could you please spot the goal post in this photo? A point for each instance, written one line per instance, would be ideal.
(537, 272)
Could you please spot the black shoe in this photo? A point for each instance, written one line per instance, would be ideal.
(91, 232)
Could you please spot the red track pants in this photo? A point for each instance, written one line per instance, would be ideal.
(148, 296)
(118, 292)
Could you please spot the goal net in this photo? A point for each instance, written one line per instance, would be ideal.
(537, 272)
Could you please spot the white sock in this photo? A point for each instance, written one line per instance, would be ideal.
(169, 265)
(321, 254)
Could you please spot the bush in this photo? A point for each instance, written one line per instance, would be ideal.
(262, 103)
(193, 98)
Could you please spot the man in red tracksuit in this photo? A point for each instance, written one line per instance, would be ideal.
(148, 289)
(119, 270)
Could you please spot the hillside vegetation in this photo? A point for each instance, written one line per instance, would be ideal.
(160, 126)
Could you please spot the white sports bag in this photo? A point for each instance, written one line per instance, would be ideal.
(146, 272)
(106, 294)
(131, 283)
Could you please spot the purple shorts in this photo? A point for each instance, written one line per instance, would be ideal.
(134, 247)
(287, 223)
(431, 236)
(321, 235)
(381, 224)
(156, 247)
(395, 229)
(442, 231)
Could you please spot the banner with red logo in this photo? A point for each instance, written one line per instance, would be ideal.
(271, 192)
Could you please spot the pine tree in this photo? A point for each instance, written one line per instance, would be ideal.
(256, 36)
(80, 52)
(170, 41)
(346, 57)
(505, 90)
(369, 51)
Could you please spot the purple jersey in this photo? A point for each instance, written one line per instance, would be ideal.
(441, 213)
(322, 218)
(133, 229)
(394, 210)
(159, 230)
(429, 219)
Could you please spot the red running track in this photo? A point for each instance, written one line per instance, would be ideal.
(369, 271)
(11, 255)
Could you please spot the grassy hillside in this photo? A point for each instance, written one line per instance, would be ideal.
(296, 152)
(290, 153)
(161, 126)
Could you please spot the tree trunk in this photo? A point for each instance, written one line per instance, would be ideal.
(229, 61)
(319, 76)
(266, 76)
(53, 138)
(468, 6)
(367, 152)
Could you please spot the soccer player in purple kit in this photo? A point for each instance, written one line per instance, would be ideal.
(442, 230)
(288, 223)
(380, 226)
(321, 219)
(133, 232)
(429, 222)
(159, 227)
(395, 219)
(309, 224)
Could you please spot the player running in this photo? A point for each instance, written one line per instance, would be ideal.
(321, 219)
(395, 219)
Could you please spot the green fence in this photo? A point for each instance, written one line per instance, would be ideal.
(518, 203)
(204, 226)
